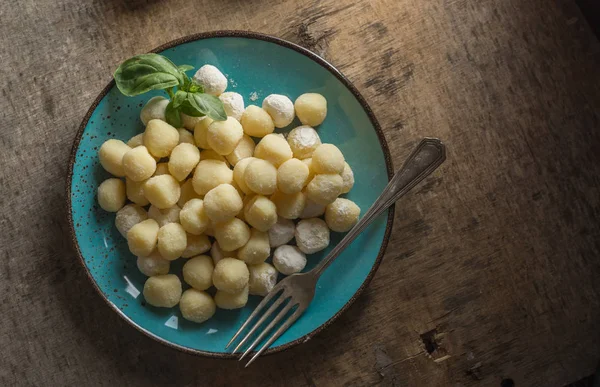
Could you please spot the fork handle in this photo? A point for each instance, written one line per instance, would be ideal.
(429, 154)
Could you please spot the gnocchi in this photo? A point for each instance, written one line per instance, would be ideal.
(160, 138)
(312, 235)
(224, 136)
(225, 300)
(260, 213)
(222, 203)
(230, 275)
(135, 191)
(233, 103)
(162, 191)
(292, 176)
(209, 174)
(164, 216)
(196, 245)
(193, 217)
(342, 215)
(256, 122)
(172, 241)
(311, 108)
(183, 160)
(281, 232)
(212, 79)
(111, 156)
(274, 149)
(232, 234)
(260, 177)
(142, 238)
(198, 272)
(138, 164)
(303, 141)
(280, 108)
(152, 265)
(327, 158)
(263, 278)
(324, 189)
(162, 291)
(129, 216)
(289, 259)
(257, 249)
(111, 194)
(154, 109)
(201, 132)
(197, 306)
(289, 206)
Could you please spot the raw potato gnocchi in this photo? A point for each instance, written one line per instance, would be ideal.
(213, 180)
(183, 160)
(111, 156)
(160, 138)
(129, 216)
(260, 177)
(311, 108)
(162, 290)
(197, 306)
(142, 238)
(224, 136)
(230, 275)
(209, 174)
(138, 164)
(263, 278)
(162, 191)
(111, 194)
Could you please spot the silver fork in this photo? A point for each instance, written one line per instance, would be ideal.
(298, 290)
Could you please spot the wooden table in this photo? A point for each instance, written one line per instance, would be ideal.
(492, 270)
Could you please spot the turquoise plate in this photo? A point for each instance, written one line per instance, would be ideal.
(256, 66)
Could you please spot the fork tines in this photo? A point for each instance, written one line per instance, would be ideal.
(280, 296)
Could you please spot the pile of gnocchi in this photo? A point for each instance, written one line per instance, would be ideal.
(210, 194)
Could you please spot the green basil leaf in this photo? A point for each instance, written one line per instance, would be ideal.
(172, 116)
(184, 68)
(186, 108)
(196, 87)
(146, 72)
(180, 97)
(208, 105)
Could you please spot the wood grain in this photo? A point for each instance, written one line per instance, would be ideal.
(493, 264)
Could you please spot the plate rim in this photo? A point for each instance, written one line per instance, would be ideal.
(284, 43)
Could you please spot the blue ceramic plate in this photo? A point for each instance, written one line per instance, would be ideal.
(256, 66)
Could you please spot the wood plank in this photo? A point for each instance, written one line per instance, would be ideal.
(493, 264)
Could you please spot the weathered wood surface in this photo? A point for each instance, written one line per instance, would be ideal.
(499, 253)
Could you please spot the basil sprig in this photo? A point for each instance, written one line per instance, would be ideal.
(146, 72)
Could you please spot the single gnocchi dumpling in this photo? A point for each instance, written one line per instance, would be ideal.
(348, 178)
(138, 164)
(111, 156)
(233, 103)
(312, 210)
(224, 136)
(289, 206)
(263, 278)
(260, 212)
(280, 108)
(342, 215)
(152, 265)
(312, 235)
(281, 232)
(238, 174)
(193, 217)
(212, 79)
(185, 137)
(129, 216)
(196, 245)
(232, 234)
(163, 291)
(187, 193)
(172, 241)
(257, 122)
(260, 176)
(303, 141)
(273, 148)
(311, 109)
(162, 191)
(257, 249)
(201, 132)
(197, 306)
(160, 138)
(289, 259)
(324, 189)
(112, 194)
(154, 109)
(209, 174)
(142, 238)
(222, 203)
(217, 253)
(135, 191)
(230, 275)
(292, 176)
(183, 160)
(327, 158)
(198, 272)
(225, 300)
(164, 216)
(244, 149)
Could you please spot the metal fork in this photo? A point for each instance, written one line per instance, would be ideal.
(298, 290)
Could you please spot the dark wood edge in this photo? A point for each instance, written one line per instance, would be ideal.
(332, 70)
